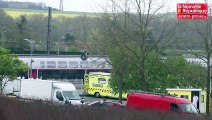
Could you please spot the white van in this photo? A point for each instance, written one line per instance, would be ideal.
(45, 90)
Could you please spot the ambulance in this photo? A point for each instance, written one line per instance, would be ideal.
(189, 94)
(98, 84)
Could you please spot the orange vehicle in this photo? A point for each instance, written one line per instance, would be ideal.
(161, 102)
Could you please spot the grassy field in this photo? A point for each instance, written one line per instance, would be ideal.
(17, 12)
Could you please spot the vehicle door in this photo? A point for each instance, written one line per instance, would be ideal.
(103, 83)
(109, 89)
(174, 108)
(202, 102)
(58, 97)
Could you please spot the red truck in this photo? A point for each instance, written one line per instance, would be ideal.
(161, 102)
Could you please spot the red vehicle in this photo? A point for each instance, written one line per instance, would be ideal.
(161, 102)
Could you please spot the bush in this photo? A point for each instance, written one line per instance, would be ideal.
(11, 109)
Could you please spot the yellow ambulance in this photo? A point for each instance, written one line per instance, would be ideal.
(98, 84)
(189, 94)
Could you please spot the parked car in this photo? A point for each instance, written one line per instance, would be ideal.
(105, 104)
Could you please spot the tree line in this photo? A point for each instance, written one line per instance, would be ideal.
(67, 34)
(72, 34)
(23, 5)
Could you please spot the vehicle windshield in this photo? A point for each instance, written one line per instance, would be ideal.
(72, 95)
(188, 108)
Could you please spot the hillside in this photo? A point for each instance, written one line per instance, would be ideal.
(17, 12)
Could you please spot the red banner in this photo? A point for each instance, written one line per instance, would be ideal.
(192, 11)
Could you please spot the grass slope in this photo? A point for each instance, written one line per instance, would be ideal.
(17, 12)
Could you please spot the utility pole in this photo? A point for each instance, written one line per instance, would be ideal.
(61, 5)
(208, 57)
(31, 53)
(49, 30)
(210, 52)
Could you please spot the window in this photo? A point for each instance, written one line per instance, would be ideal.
(61, 74)
(98, 64)
(92, 64)
(71, 95)
(62, 64)
(42, 64)
(83, 64)
(59, 96)
(188, 108)
(202, 98)
(73, 64)
(108, 66)
(51, 64)
(110, 104)
(97, 85)
(174, 108)
(102, 80)
(184, 96)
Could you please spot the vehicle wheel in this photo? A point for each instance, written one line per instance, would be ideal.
(97, 95)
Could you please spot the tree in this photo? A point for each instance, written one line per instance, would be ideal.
(200, 29)
(126, 35)
(23, 27)
(69, 37)
(37, 24)
(171, 72)
(10, 66)
(183, 74)
(8, 33)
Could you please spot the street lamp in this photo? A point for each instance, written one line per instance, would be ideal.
(58, 44)
(31, 61)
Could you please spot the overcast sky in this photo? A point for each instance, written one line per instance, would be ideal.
(94, 5)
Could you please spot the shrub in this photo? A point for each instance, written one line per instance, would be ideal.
(11, 109)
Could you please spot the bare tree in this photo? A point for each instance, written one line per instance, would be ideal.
(127, 34)
(202, 30)
(202, 49)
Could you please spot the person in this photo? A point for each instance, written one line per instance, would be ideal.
(195, 100)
